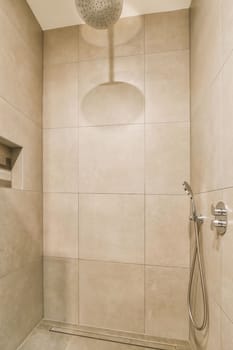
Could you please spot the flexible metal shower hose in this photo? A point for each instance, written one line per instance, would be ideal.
(197, 257)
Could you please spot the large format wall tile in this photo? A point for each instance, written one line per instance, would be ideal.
(166, 309)
(21, 16)
(61, 45)
(60, 225)
(60, 157)
(227, 259)
(211, 245)
(211, 337)
(111, 227)
(21, 304)
(167, 158)
(227, 27)
(120, 102)
(167, 87)
(21, 225)
(60, 290)
(22, 87)
(167, 31)
(127, 39)
(167, 231)
(227, 125)
(206, 139)
(206, 47)
(24, 133)
(226, 334)
(60, 96)
(111, 159)
(112, 295)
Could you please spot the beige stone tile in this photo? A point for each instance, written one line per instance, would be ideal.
(127, 39)
(60, 290)
(166, 309)
(227, 125)
(167, 87)
(32, 158)
(210, 338)
(166, 243)
(167, 157)
(167, 31)
(60, 160)
(21, 226)
(227, 27)
(60, 225)
(112, 295)
(226, 333)
(23, 132)
(206, 141)
(21, 16)
(21, 304)
(111, 159)
(61, 45)
(111, 228)
(106, 103)
(20, 87)
(60, 96)
(211, 245)
(92, 344)
(227, 258)
(206, 46)
(41, 339)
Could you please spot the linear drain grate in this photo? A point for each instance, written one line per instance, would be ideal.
(114, 338)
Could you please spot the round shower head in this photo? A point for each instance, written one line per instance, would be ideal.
(100, 14)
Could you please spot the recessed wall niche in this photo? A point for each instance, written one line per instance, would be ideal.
(10, 164)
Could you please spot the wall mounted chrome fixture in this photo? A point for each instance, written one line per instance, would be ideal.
(220, 221)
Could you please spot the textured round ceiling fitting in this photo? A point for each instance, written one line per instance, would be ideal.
(100, 14)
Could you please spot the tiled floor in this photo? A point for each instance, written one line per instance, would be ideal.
(42, 339)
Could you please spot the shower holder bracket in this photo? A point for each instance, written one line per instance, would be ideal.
(220, 222)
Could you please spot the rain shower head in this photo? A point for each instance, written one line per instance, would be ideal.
(100, 14)
(188, 189)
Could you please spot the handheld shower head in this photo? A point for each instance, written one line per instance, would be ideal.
(188, 189)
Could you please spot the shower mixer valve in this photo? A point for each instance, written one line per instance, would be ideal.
(221, 219)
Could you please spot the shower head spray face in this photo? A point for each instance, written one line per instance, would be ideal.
(188, 189)
(100, 14)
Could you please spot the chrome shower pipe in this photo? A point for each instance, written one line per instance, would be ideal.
(197, 221)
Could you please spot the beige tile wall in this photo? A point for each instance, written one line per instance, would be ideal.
(211, 157)
(115, 157)
(21, 207)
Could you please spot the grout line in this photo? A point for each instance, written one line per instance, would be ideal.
(117, 194)
(145, 91)
(78, 213)
(115, 262)
(105, 58)
(22, 114)
(185, 122)
(11, 189)
(215, 190)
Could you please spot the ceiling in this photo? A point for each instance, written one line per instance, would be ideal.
(61, 13)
